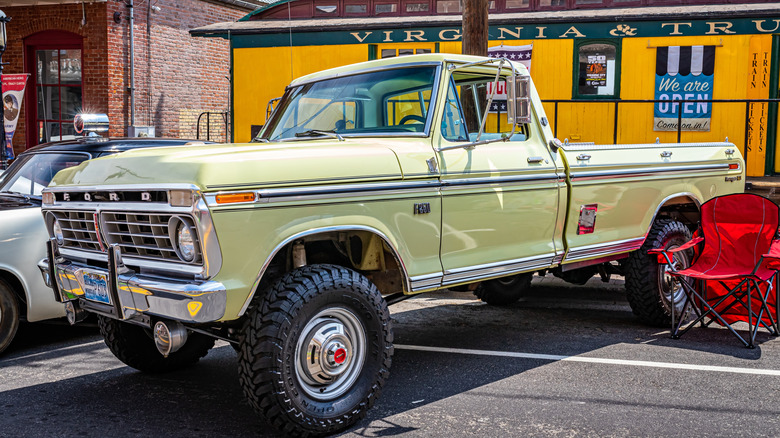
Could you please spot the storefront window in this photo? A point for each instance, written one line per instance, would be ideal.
(517, 4)
(390, 8)
(326, 9)
(356, 9)
(597, 69)
(417, 7)
(58, 91)
(448, 6)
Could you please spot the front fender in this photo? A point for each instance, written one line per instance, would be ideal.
(251, 237)
(22, 244)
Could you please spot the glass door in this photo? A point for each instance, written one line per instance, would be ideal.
(55, 91)
(58, 91)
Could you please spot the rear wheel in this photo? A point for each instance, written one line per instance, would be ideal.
(134, 345)
(650, 289)
(317, 350)
(504, 291)
(9, 315)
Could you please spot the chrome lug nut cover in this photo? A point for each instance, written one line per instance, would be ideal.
(330, 353)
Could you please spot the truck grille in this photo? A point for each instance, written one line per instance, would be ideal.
(138, 234)
(78, 229)
(144, 235)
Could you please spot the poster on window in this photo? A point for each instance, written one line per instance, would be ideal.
(521, 54)
(13, 92)
(596, 71)
(683, 73)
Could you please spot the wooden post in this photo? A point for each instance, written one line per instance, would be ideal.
(475, 27)
(475, 42)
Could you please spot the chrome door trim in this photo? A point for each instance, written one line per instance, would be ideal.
(497, 269)
(602, 249)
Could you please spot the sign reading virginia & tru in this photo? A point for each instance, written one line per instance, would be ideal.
(268, 37)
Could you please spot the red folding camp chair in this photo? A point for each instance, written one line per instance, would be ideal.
(733, 278)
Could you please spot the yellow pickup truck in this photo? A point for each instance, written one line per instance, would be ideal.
(369, 183)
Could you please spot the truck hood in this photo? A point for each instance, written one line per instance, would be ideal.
(223, 167)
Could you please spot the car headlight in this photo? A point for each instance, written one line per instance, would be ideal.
(57, 231)
(184, 242)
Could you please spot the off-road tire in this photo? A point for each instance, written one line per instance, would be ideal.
(9, 315)
(134, 345)
(504, 291)
(643, 284)
(273, 331)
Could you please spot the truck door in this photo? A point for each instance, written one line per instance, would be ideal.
(500, 200)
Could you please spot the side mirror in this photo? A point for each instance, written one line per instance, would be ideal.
(519, 100)
(270, 107)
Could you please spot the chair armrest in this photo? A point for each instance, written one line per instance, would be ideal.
(772, 258)
(665, 255)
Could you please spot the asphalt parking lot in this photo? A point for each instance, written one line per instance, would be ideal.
(564, 362)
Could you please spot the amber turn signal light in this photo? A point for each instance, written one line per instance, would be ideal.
(232, 198)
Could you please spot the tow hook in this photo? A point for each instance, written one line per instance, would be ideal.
(74, 313)
(169, 336)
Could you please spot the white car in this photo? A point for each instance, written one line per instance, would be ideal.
(23, 235)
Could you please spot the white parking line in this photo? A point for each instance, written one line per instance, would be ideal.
(72, 347)
(555, 358)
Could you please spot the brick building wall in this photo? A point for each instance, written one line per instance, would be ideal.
(176, 76)
(88, 22)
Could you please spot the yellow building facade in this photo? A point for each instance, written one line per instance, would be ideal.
(571, 52)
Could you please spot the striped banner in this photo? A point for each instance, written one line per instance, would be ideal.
(683, 73)
(521, 54)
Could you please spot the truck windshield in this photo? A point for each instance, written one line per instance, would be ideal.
(390, 101)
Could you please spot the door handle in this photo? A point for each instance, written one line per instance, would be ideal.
(583, 157)
(666, 154)
(535, 159)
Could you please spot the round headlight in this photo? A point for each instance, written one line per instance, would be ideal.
(185, 243)
(57, 230)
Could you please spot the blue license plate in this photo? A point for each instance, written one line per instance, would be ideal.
(95, 287)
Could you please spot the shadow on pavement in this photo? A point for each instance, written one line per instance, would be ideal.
(206, 400)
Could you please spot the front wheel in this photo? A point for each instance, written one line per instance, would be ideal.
(650, 289)
(9, 315)
(134, 345)
(317, 350)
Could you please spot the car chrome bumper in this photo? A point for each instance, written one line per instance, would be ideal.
(134, 296)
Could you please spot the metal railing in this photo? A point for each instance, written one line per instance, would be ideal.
(618, 102)
(225, 119)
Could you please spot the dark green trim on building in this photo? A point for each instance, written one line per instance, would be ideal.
(771, 134)
(263, 8)
(276, 36)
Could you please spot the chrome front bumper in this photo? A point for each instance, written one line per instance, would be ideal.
(132, 296)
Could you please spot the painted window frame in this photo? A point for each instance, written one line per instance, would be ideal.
(46, 40)
(618, 44)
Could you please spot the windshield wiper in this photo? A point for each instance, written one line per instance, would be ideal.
(310, 132)
(17, 195)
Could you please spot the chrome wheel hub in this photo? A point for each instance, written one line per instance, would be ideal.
(330, 353)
